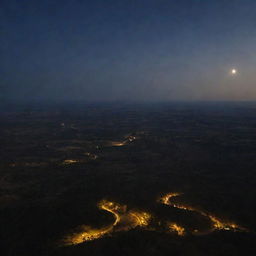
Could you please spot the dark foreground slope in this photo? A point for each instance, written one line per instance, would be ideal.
(58, 162)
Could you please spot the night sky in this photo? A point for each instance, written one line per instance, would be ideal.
(127, 50)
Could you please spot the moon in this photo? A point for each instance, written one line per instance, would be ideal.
(233, 71)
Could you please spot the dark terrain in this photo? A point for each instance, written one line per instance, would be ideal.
(58, 162)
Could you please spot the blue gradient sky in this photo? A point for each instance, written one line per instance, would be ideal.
(142, 50)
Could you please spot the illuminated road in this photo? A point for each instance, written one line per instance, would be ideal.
(123, 220)
(128, 140)
(217, 224)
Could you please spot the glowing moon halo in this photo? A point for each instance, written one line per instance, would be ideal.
(233, 71)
